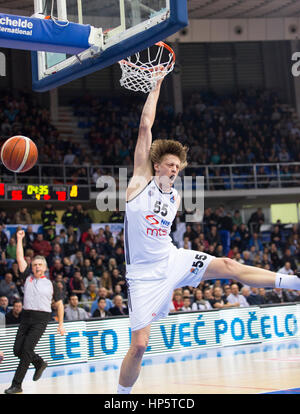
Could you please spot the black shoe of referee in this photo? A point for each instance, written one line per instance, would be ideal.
(13, 389)
(39, 371)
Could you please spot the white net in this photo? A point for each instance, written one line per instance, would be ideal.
(141, 72)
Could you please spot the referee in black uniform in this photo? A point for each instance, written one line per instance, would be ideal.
(38, 294)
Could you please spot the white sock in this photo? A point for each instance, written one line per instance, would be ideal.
(287, 281)
(123, 390)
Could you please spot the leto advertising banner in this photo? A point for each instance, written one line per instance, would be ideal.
(109, 339)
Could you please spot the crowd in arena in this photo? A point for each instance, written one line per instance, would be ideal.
(245, 127)
(89, 267)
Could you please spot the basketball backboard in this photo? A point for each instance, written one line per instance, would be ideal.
(120, 27)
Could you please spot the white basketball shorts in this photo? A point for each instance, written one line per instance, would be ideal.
(150, 288)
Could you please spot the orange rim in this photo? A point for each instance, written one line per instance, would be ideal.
(160, 44)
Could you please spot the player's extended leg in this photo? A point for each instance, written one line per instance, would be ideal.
(249, 275)
(131, 364)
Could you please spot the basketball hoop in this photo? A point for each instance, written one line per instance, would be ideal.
(142, 71)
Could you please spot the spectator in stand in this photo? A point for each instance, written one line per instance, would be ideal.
(290, 295)
(30, 237)
(13, 317)
(117, 216)
(255, 298)
(3, 238)
(118, 291)
(190, 233)
(100, 312)
(276, 237)
(274, 257)
(56, 269)
(61, 285)
(99, 267)
(71, 247)
(245, 236)
(63, 237)
(102, 293)
(213, 237)
(8, 288)
(218, 301)
(3, 218)
(73, 312)
(70, 218)
(87, 238)
(22, 217)
(101, 235)
(11, 249)
(49, 217)
(106, 282)
(76, 285)
(275, 296)
(199, 303)
(207, 293)
(117, 279)
(286, 269)
(245, 291)
(91, 293)
(255, 241)
(237, 219)
(77, 259)
(110, 247)
(107, 232)
(56, 254)
(262, 292)
(288, 257)
(247, 258)
(3, 305)
(177, 299)
(236, 298)
(68, 268)
(186, 304)
(87, 267)
(93, 257)
(256, 220)
(91, 279)
(41, 247)
(119, 307)
(84, 218)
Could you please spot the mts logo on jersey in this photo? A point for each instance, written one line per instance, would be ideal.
(156, 232)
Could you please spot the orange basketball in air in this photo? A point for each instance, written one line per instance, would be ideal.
(19, 154)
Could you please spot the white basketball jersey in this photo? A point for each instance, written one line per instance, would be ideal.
(147, 225)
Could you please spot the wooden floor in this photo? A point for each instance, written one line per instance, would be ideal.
(249, 369)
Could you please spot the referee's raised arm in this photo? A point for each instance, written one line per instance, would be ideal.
(20, 251)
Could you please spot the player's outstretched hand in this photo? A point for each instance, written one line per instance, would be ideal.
(20, 234)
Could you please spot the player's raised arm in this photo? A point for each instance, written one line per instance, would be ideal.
(142, 163)
(20, 251)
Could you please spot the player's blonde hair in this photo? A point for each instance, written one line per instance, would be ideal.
(162, 147)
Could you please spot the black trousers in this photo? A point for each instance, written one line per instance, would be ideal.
(31, 328)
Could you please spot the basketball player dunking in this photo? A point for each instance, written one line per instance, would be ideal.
(155, 267)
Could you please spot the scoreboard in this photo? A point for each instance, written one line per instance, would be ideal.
(41, 192)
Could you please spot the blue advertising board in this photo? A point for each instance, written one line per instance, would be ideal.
(108, 339)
